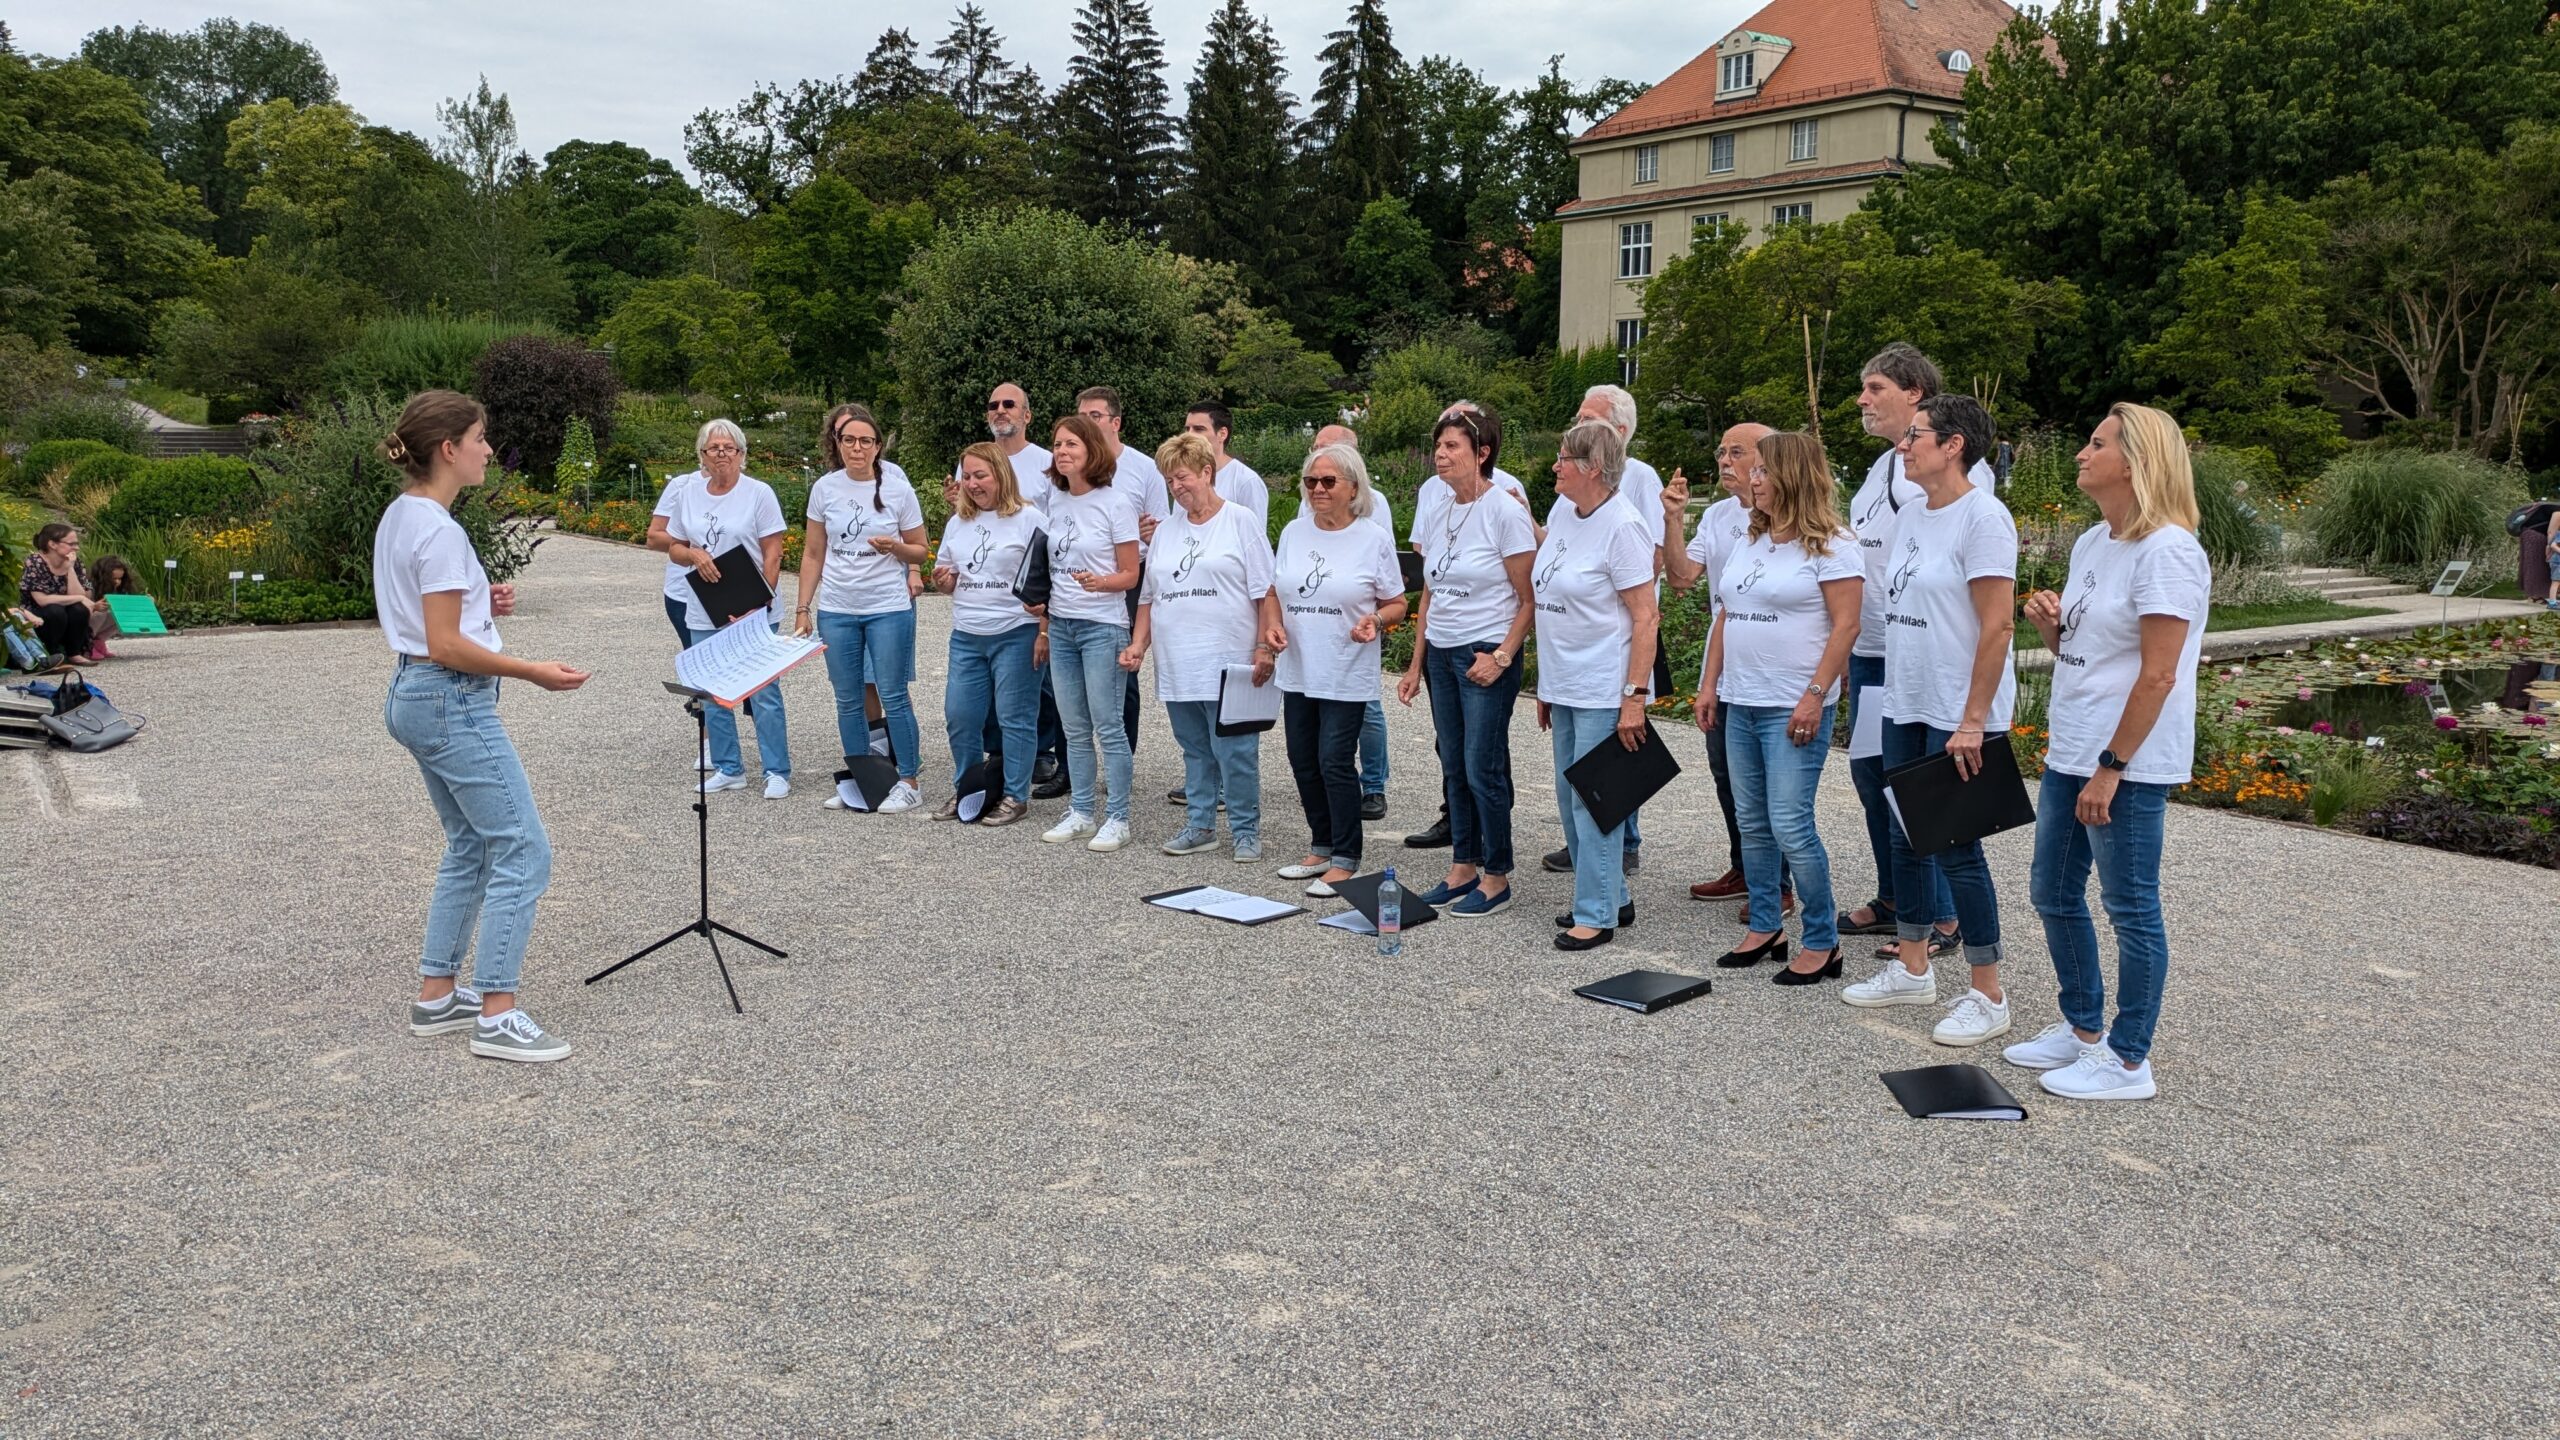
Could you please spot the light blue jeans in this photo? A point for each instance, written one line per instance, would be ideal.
(993, 686)
(497, 860)
(1966, 874)
(1217, 767)
(2126, 854)
(773, 738)
(1774, 780)
(888, 642)
(1599, 856)
(1084, 668)
(1373, 749)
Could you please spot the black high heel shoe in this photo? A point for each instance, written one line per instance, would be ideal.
(1830, 971)
(1773, 948)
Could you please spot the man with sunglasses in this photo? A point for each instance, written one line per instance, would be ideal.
(1009, 424)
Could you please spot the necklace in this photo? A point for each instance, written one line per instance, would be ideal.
(1448, 532)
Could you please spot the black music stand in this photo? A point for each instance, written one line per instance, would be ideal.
(702, 924)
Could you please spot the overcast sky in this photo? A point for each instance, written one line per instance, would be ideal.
(636, 70)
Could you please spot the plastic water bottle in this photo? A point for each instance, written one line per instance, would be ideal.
(1390, 916)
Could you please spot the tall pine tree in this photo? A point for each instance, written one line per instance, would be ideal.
(890, 75)
(1355, 147)
(1114, 137)
(1237, 189)
(972, 62)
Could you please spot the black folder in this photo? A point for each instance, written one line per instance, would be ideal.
(740, 590)
(1031, 582)
(1614, 780)
(871, 779)
(1411, 563)
(1361, 893)
(1645, 991)
(979, 789)
(1952, 1092)
(1940, 812)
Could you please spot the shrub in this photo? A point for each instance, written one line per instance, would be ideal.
(277, 602)
(2044, 480)
(2414, 508)
(216, 488)
(331, 485)
(2349, 783)
(76, 414)
(577, 463)
(107, 472)
(690, 332)
(532, 385)
(404, 354)
(2229, 528)
(2443, 823)
(47, 457)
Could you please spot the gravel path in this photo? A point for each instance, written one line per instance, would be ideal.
(1000, 1151)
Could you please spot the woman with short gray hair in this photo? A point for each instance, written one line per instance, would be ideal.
(700, 518)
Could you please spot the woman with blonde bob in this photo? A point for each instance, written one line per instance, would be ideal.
(1786, 617)
(2124, 634)
(997, 646)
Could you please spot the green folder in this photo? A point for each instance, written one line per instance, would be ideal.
(137, 614)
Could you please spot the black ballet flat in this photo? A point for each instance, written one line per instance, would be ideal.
(1809, 977)
(1567, 940)
(1626, 917)
(1773, 948)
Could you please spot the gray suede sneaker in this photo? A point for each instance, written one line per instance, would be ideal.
(456, 1011)
(514, 1036)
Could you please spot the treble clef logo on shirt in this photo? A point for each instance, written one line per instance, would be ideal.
(1191, 549)
(1317, 574)
(1063, 541)
(978, 557)
(1743, 585)
(1554, 563)
(1901, 577)
(2072, 617)
(1441, 562)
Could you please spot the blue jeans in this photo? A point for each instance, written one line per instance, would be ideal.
(497, 860)
(2126, 853)
(1599, 856)
(1867, 778)
(1472, 724)
(888, 642)
(1373, 749)
(1774, 780)
(1084, 667)
(992, 684)
(1961, 870)
(773, 738)
(1217, 767)
(675, 617)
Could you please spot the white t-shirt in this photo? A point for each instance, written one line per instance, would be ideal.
(1136, 476)
(1327, 580)
(672, 584)
(1381, 513)
(744, 516)
(2114, 583)
(1930, 626)
(1463, 555)
(1776, 621)
(859, 580)
(1640, 485)
(419, 551)
(1584, 631)
(1238, 485)
(1873, 512)
(1204, 583)
(1436, 492)
(1720, 528)
(1030, 475)
(984, 553)
(1085, 532)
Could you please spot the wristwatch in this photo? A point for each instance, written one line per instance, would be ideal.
(2110, 760)
(1629, 692)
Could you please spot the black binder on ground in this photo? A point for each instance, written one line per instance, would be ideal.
(1360, 892)
(1613, 780)
(1031, 582)
(1411, 563)
(740, 590)
(1644, 991)
(865, 781)
(1952, 1092)
(1940, 812)
(979, 789)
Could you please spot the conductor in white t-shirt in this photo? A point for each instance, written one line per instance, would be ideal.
(694, 526)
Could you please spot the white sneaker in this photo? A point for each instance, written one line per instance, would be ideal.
(1074, 826)
(1894, 985)
(776, 787)
(714, 780)
(1112, 835)
(2054, 1047)
(2099, 1075)
(902, 797)
(1974, 1018)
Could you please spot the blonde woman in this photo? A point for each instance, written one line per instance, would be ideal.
(997, 646)
(2124, 634)
(1786, 616)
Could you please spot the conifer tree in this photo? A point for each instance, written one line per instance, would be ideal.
(1114, 137)
(1237, 188)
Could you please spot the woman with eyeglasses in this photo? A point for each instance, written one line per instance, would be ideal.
(997, 646)
(695, 524)
(866, 532)
(1339, 584)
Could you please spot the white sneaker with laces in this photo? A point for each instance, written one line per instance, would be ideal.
(2099, 1075)
(902, 797)
(1894, 985)
(714, 780)
(2055, 1046)
(776, 787)
(1112, 835)
(1074, 825)
(1974, 1018)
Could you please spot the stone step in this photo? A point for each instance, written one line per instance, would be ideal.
(2362, 590)
(2312, 574)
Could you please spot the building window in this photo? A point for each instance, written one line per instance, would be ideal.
(1713, 224)
(1958, 62)
(1719, 154)
(1648, 164)
(1735, 72)
(1952, 127)
(1635, 250)
(1803, 139)
(1796, 214)
(1630, 335)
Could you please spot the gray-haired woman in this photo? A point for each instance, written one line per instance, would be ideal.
(697, 522)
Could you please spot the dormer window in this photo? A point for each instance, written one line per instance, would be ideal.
(1736, 72)
(1958, 62)
(1745, 60)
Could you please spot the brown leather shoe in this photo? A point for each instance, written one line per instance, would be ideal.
(1006, 811)
(1723, 887)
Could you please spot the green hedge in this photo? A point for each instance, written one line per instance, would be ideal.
(46, 456)
(108, 472)
(214, 488)
(277, 602)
